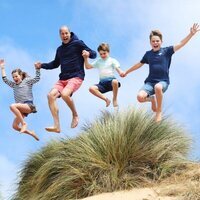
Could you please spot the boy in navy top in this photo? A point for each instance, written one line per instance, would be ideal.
(69, 58)
(159, 60)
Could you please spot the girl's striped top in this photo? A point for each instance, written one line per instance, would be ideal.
(23, 90)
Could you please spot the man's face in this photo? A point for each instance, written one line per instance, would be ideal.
(156, 43)
(65, 35)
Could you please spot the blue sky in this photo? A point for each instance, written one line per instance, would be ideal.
(29, 32)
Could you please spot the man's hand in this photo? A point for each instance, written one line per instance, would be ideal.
(38, 65)
(85, 54)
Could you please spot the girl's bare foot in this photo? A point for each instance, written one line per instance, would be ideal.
(32, 133)
(74, 122)
(107, 102)
(53, 129)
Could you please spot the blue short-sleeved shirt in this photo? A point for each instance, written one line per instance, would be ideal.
(159, 64)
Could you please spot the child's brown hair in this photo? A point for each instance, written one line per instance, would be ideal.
(20, 72)
(155, 33)
(103, 47)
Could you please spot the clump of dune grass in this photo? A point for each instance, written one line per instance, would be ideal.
(115, 152)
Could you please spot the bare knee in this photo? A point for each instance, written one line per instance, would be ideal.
(12, 106)
(140, 98)
(51, 97)
(93, 89)
(158, 88)
(65, 95)
(115, 82)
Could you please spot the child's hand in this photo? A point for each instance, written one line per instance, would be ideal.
(194, 29)
(123, 74)
(85, 54)
(2, 63)
(38, 65)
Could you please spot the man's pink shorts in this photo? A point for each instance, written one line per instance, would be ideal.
(72, 84)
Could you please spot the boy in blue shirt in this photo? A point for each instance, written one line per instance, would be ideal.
(159, 60)
(106, 66)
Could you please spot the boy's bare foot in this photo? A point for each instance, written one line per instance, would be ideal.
(107, 102)
(24, 127)
(52, 129)
(74, 122)
(158, 116)
(153, 103)
(32, 133)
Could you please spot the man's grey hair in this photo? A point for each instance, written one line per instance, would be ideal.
(64, 27)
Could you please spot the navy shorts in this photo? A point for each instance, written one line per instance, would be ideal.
(106, 86)
(32, 107)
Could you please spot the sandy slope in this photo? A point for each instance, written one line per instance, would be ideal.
(135, 194)
(171, 188)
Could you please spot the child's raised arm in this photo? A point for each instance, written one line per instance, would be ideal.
(193, 30)
(37, 75)
(2, 65)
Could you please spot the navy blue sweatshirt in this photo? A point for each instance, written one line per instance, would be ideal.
(69, 57)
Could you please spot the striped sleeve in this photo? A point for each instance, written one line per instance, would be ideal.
(8, 82)
(35, 79)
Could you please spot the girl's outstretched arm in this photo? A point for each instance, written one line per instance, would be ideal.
(3, 72)
(193, 30)
(37, 76)
(2, 65)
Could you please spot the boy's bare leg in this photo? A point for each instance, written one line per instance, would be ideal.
(115, 92)
(66, 96)
(52, 96)
(159, 98)
(95, 91)
(152, 99)
(143, 97)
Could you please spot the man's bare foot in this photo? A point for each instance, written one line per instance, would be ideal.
(153, 103)
(24, 127)
(52, 129)
(32, 133)
(74, 122)
(158, 116)
(107, 102)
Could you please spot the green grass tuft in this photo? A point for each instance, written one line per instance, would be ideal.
(117, 151)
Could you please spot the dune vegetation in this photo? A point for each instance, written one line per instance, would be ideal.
(117, 151)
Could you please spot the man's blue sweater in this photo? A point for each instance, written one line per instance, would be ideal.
(69, 57)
